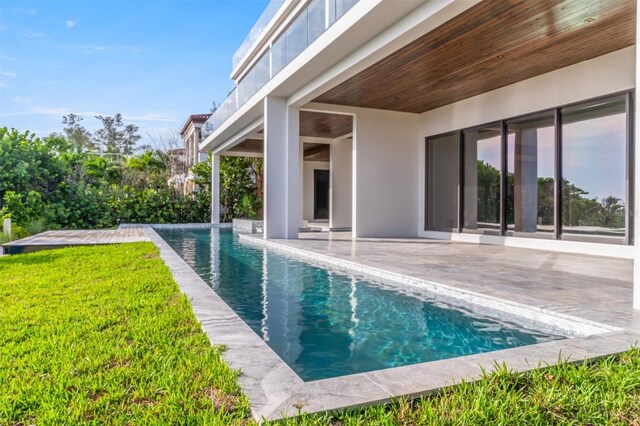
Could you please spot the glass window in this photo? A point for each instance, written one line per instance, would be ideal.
(278, 55)
(343, 6)
(443, 175)
(297, 36)
(594, 169)
(262, 71)
(317, 18)
(482, 164)
(531, 174)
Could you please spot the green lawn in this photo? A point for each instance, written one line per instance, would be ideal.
(102, 335)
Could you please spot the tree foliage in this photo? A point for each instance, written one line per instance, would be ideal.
(240, 186)
(77, 135)
(115, 137)
(578, 208)
(49, 181)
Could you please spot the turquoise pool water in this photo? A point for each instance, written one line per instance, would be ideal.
(325, 323)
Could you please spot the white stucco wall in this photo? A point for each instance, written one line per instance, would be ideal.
(307, 186)
(385, 173)
(341, 181)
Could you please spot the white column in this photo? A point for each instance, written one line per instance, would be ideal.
(341, 177)
(636, 178)
(281, 169)
(215, 188)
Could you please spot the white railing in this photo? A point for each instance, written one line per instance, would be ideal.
(312, 22)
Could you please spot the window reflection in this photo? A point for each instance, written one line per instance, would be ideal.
(530, 174)
(593, 169)
(482, 178)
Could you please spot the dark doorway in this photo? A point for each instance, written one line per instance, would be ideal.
(321, 194)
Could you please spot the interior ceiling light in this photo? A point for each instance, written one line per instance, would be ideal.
(589, 20)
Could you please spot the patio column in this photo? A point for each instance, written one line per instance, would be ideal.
(636, 192)
(282, 199)
(215, 188)
(341, 176)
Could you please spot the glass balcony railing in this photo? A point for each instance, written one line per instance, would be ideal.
(312, 22)
(257, 30)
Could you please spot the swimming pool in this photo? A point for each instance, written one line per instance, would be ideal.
(325, 323)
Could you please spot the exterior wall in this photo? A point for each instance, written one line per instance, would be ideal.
(385, 175)
(307, 188)
(341, 181)
(607, 74)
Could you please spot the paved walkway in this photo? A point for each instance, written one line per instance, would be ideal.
(590, 287)
(79, 237)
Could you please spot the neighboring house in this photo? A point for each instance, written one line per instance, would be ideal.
(191, 133)
(494, 121)
(178, 177)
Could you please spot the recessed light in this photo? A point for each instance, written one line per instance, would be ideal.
(500, 56)
(589, 20)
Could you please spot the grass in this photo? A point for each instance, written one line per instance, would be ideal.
(102, 335)
(605, 392)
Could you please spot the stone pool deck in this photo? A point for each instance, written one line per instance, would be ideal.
(590, 287)
(588, 297)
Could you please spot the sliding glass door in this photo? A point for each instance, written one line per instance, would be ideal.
(594, 163)
(560, 174)
(531, 175)
(482, 165)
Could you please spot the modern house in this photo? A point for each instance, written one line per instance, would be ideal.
(506, 122)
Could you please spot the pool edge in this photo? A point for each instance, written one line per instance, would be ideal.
(276, 391)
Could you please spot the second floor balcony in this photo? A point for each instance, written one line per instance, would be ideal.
(310, 23)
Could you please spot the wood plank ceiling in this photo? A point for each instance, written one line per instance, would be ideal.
(322, 125)
(311, 151)
(491, 45)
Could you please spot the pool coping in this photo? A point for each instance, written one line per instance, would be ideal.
(276, 391)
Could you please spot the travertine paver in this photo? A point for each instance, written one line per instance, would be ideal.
(590, 287)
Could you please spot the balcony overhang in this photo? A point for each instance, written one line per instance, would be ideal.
(493, 44)
(317, 129)
(370, 31)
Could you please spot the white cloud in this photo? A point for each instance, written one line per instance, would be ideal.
(8, 74)
(26, 11)
(150, 116)
(42, 110)
(21, 100)
(33, 35)
(87, 48)
(58, 111)
(70, 23)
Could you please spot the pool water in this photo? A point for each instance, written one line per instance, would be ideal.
(325, 323)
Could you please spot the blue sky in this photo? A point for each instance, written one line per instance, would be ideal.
(155, 62)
